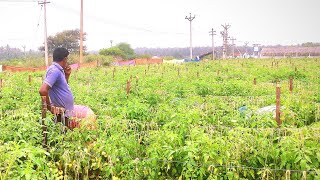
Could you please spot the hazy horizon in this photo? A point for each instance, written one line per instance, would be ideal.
(162, 24)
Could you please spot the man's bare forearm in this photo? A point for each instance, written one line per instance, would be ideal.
(67, 78)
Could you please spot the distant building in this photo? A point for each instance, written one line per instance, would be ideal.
(290, 51)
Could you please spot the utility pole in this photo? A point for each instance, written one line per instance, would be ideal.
(212, 33)
(81, 32)
(190, 18)
(24, 51)
(225, 37)
(233, 39)
(246, 47)
(44, 3)
(8, 52)
(111, 42)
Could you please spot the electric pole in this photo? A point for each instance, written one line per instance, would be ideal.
(246, 47)
(44, 3)
(8, 51)
(225, 37)
(233, 39)
(24, 51)
(190, 18)
(212, 33)
(81, 32)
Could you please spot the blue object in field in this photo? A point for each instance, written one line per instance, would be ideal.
(187, 60)
(242, 110)
(196, 59)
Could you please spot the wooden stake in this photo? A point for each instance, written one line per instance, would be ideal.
(29, 78)
(254, 81)
(290, 84)
(278, 92)
(0, 83)
(128, 87)
(197, 73)
(43, 126)
(137, 79)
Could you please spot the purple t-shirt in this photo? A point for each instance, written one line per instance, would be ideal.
(60, 93)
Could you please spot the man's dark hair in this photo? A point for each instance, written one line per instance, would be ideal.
(59, 54)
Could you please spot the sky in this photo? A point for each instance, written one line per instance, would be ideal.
(162, 23)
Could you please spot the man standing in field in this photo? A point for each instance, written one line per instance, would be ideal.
(58, 93)
(56, 85)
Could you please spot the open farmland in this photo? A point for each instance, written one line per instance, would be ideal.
(181, 121)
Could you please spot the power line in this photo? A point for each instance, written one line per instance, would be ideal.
(18, 1)
(39, 16)
(37, 26)
(108, 22)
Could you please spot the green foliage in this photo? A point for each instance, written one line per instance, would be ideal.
(113, 51)
(7, 52)
(127, 50)
(69, 39)
(103, 59)
(170, 126)
(29, 62)
(168, 58)
(310, 44)
(122, 50)
(144, 56)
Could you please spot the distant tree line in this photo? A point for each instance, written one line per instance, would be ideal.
(70, 39)
(8, 53)
(310, 44)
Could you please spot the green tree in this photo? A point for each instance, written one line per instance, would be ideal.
(127, 50)
(69, 39)
(310, 44)
(122, 50)
(113, 51)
